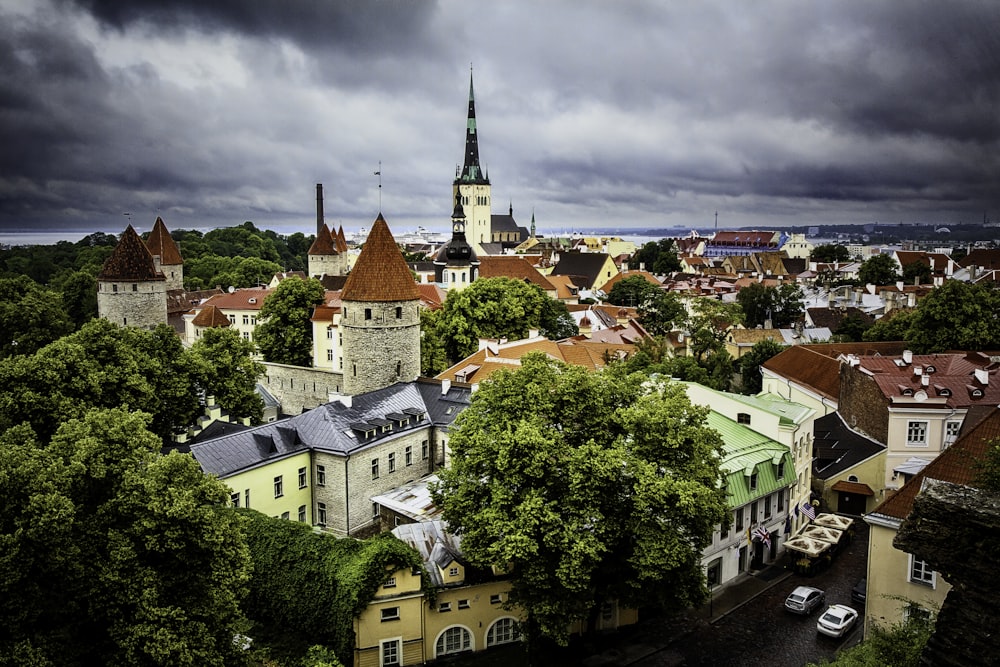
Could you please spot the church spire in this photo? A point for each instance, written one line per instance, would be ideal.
(471, 171)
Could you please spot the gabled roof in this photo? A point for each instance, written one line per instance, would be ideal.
(431, 296)
(512, 266)
(130, 260)
(324, 243)
(241, 299)
(161, 243)
(380, 273)
(954, 464)
(437, 547)
(565, 288)
(587, 265)
(210, 316)
(181, 301)
(984, 258)
(950, 377)
(838, 447)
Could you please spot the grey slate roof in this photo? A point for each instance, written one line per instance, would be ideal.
(437, 547)
(838, 447)
(335, 428)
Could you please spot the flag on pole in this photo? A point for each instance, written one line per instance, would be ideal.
(808, 510)
(788, 525)
(761, 534)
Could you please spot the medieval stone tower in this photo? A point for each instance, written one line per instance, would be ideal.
(166, 256)
(380, 317)
(328, 253)
(473, 184)
(130, 290)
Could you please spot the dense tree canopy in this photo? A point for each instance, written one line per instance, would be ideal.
(31, 316)
(284, 334)
(112, 553)
(659, 257)
(497, 308)
(954, 316)
(830, 252)
(107, 366)
(632, 291)
(750, 364)
(878, 270)
(781, 305)
(226, 369)
(589, 487)
(918, 273)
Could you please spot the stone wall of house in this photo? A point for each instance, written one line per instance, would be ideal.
(862, 404)
(299, 388)
(351, 482)
(956, 529)
(140, 304)
(381, 344)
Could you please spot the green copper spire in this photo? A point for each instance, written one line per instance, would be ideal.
(471, 171)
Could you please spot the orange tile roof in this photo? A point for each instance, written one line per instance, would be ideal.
(431, 296)
(512, 266)
(565, 288)
(380, 273)
(324, 243)
(340, 241)
(161, 243)
(130, 260)
(241, 299)
(817, 367)
(480, 365)
(650, 278)
(210, 316)
(954, 464)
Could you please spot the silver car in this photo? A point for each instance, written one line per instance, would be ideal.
(805, 600)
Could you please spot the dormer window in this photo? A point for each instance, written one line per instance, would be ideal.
(779, 469)
(753, 481)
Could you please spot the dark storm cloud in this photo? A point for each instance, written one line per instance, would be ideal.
(772, 112)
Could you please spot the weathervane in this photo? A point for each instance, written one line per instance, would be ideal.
(379, 174)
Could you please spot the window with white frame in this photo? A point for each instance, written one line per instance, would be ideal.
(321, 513)
(409, 456)
(392, 461)
(916, 434)
(320, 475)
(374, 468)
(234, 499)
(302, 513)
(502, 632)
(390, 614)
(951, 429)
(454, 640)
(302, 478)
(278, 487)
(390, 653)
(921, 572)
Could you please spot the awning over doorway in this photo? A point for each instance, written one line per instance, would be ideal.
(853, 487)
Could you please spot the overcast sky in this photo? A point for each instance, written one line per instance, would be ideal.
(592, 114)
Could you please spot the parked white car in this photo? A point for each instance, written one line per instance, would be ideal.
(836, 620)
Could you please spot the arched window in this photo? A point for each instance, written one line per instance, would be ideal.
(453, 640)
(502, 632)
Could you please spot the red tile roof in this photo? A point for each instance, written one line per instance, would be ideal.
(817, 367)
(324, 243)
(130, 260)
(381, 273)
(512, 266)
(161, 243)
(210, 316)
(340, 242)
(241, 299)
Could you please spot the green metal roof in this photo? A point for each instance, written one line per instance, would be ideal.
(789, 413)
(746, 452)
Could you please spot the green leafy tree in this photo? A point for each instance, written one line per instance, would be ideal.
(555, 322)
(633, 291)
(227, 370)
(782, 305)
(878, 270)
(750, 364)
(657, 257)
(716, 316)
(917, 273)
(489, 308)
(830, 252)
(662, 312)
(589, 487)
(31, 316)
(956, 316)
(114, 554)
(988, 469)
(101, 366)
(284, 335)
(899, 645)
(892, 326)
(79, 295)
(852, 328)
(433, 355)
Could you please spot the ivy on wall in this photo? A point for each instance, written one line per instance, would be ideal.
(313, 584)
